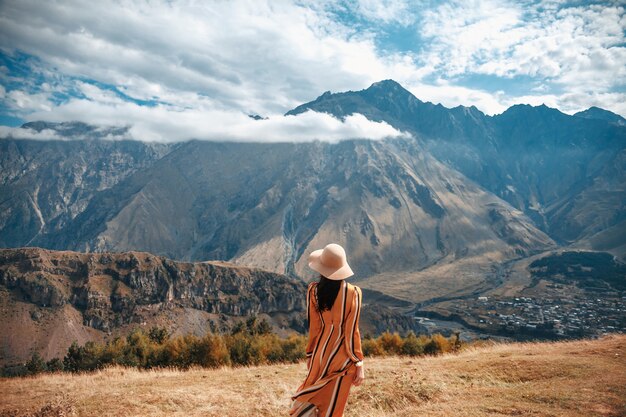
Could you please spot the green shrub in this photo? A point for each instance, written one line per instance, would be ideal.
(158, 335)
(412, 346)
(82, 358)
(55, 365)
(36, 364)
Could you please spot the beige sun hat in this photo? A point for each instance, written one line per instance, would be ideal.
(331, 262)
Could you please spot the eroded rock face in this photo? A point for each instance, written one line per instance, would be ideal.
(48, 299)
(109, 288)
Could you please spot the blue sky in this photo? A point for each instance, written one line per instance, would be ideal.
(178, 69)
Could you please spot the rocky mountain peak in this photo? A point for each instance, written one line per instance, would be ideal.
(523, 110)
(325, 95)
(389, 93)
(601, 114)
(387, 85)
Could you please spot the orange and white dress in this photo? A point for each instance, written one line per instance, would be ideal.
(334, 347)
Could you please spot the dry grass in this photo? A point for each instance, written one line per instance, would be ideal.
(582, 378)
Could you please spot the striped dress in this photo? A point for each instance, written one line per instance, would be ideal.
(334, 346)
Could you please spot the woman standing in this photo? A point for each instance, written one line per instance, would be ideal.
(334, 355)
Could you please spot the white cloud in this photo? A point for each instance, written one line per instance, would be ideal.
(19, 99)
(253, 56)
(387, 11)
(571, 46)
(167, 123)
(19, 133)
(573, 51)
(451, 95)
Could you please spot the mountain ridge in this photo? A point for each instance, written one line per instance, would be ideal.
(594, 112)
(506, 154)
(467, 191)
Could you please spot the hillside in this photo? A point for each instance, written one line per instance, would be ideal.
(565, 379)
(392, 205)
(565, 172)
(50, 298)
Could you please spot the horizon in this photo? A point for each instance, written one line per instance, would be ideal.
(204, 68)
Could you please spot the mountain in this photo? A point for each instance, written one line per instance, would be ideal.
(77, 130)
(45, 184)
(422, 217)
(565, 172)
(391, 204)
(390, 102)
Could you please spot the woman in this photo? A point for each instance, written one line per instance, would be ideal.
(334, 355)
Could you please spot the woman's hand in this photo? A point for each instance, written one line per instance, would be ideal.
(359, 376)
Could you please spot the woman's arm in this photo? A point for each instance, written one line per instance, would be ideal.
(353, 335)
(313, 319)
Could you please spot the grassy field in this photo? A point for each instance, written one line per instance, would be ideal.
(581, 378)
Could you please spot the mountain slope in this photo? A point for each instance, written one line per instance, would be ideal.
(536, 158)
(44, 185)
(393, 206)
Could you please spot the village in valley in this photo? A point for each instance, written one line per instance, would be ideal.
(569, 295)
(543, 317)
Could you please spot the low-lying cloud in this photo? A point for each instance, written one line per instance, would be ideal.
(162, 124)
(7, 132)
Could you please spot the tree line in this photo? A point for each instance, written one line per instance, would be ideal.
(249, 342)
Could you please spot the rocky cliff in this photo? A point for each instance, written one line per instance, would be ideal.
(50, 298)
(107, 293)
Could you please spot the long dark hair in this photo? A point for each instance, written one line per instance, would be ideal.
(327, 290)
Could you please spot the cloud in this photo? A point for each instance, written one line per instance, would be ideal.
(23, 100)
(574, 51)
(568, 55)
(18, 133)
(571, 46)
(254, 56)
(386, 11)
(168, 123)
